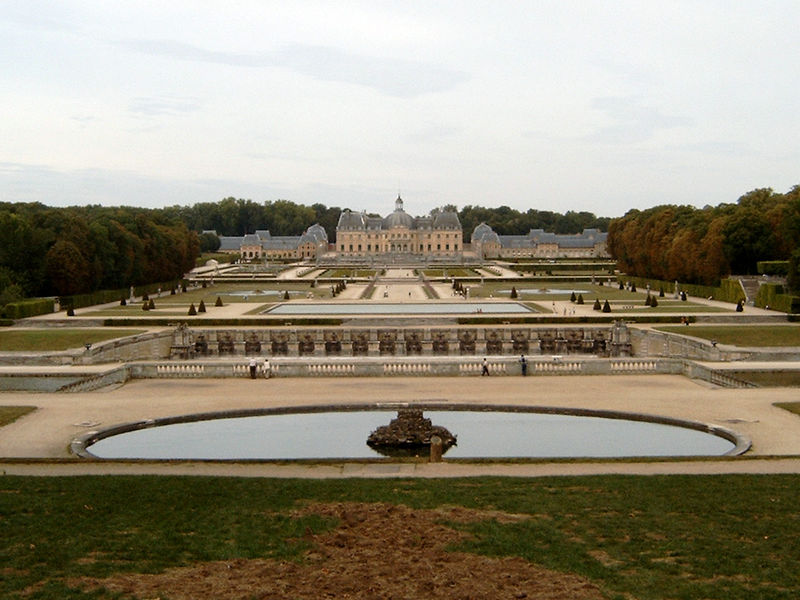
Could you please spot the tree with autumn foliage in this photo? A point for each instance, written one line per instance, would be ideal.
(704, 245)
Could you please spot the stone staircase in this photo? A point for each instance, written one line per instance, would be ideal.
(750, 284)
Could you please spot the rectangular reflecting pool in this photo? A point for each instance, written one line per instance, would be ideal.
(415, 308)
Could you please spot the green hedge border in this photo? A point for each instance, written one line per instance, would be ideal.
(28, 308)
(772, 295)
(729, 290)
(773, 267)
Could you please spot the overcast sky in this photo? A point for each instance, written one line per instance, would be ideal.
(564, 105)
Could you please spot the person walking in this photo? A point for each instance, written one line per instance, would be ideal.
(523, 365)
(484, 367)
(267, 369)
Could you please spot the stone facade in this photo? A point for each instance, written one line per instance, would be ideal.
(612, 340)
(399, 234)
(261, 244)
(537, 243)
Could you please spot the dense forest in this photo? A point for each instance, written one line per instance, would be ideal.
(233, 216)
(704, 245)
(61, 251)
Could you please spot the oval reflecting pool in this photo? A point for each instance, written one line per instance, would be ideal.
(343, 434)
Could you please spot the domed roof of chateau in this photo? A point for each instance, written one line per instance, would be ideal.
(399, 218)
(350, 220)
(447, 220)
(317, 232)
(480, 231)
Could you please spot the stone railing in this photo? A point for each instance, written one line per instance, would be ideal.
(410, 366)
(74, 379)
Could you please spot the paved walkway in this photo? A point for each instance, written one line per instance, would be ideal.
(28, 445)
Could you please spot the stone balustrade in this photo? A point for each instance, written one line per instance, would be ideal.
(405, 366)
(76, 380)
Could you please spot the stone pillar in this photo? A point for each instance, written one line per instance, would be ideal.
(436, 449)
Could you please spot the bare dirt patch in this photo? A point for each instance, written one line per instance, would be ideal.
(378, 551)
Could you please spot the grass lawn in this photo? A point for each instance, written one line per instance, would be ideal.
(790, 406)
(450, 272)
(344, 273)
(742, 335)
(771, 378)
(178, 305)
(55, 338)
(9, 414)
(649, 538)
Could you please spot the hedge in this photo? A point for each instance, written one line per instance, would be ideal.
(107, 296)
(28, 308)
(772, 295)
(773, 267)
(602, 267)
(729, 290)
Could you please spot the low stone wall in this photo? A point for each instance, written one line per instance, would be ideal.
(144, 346)
(67, 381)
(647, 342)
(433, 366)
(76, 380)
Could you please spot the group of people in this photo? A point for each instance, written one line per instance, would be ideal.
(266, 369)
(523, 366)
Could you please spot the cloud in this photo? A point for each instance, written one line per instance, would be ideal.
(162, 105)
(631, 121)
(391, 76)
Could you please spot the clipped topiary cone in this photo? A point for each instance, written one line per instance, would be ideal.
(218, 302)
(145, 305)
(201, 307)
(606, 307)
(192, 309)
(653, 302)
(596, 305)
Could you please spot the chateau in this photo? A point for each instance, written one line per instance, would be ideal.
(399, 234)
(591, 243)
(261, 244)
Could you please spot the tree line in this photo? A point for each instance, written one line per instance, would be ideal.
(62, 251)
(705, 245)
